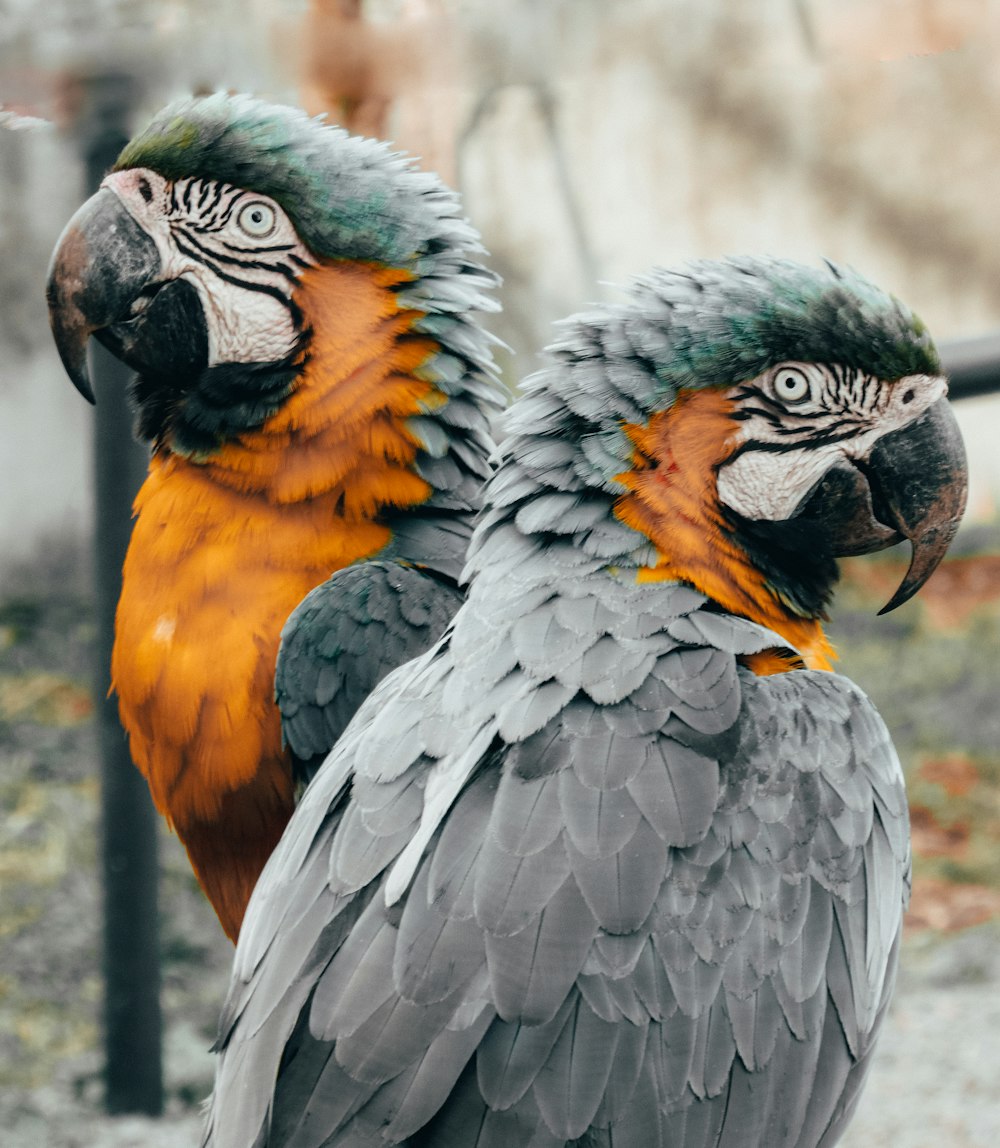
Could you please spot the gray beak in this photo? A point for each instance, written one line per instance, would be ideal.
(919, 476)
(102, 264)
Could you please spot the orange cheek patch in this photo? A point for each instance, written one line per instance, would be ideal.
(672, 497)
(351, 403)
(673, 501)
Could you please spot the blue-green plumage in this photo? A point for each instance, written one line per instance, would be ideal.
(742, 315)
(349, 197)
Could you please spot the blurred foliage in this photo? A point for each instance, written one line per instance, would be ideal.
(50, 925)
(932, 669)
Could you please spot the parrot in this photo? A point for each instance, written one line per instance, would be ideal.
(300, 308)
(620, 861)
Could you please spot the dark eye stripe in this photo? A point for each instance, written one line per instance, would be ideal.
(232, 197)
(195, 200)
(767, 447)
(200, 233)
(268, 289)
(209, 200)
(853, 389)
(207, 206)
(869, 393)
(772, 415)
(819, 438)
(257, 250)
(264, 288)
(774, 410)
(193, 246)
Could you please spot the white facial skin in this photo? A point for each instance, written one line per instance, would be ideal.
(835, 413)
(212, 233)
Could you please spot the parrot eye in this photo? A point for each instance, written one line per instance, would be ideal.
(257, 219)
(791, 385)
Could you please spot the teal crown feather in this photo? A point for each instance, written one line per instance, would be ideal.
(348, 197)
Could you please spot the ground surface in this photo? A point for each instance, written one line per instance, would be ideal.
(931, 668)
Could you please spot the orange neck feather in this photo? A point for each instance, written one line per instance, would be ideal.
(225, 547)
(670, 501)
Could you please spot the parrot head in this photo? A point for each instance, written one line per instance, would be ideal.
(750, 420)
(187, 264)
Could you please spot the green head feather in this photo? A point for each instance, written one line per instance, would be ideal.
(730, 320)
(348, 197)
(711, 324)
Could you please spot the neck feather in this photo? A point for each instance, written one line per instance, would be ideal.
(665, 525)
(672, 500)
(342, 430)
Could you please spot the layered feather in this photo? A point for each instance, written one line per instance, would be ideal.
(589, 879)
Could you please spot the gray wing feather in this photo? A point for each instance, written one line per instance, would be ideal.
(511, 890)
(532, 971)
(623, 920)
(676, 790)
(617, 953)
(434, 953)
(620, 889)
(428, 1085)
(512, 1054)
(623, 1075)
(527, 813)
(454, 864)
(598, 822)
(570, 1089)
(343, 638)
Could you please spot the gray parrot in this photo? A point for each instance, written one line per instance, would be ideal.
(620, 862)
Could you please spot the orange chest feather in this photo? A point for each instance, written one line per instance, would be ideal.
(671, 498)
(224, 548)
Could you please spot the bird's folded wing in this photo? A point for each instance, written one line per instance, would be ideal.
(669, 917)
(343, 638)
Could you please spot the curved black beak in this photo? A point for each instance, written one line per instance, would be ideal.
(919, 479)
(101, 265)
(912, 486)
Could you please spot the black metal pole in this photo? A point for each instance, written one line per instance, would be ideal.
(972, 365)
(132, 1020)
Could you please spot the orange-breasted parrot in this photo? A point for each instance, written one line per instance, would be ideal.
(620, 862)
(298, 304)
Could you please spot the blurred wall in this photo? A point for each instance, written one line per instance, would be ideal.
(591, 140)
(48, 54)
(44, 432)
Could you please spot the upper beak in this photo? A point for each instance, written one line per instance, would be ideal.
(101, 265)
(919, 478)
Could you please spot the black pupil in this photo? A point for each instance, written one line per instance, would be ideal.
(145, 190)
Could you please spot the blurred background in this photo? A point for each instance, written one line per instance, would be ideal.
(590, 140)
